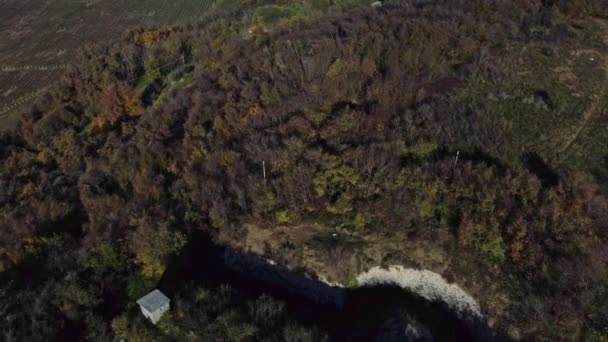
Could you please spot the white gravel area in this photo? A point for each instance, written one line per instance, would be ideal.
(427, 284)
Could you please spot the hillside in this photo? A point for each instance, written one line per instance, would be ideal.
(40, 39)
(463, 137)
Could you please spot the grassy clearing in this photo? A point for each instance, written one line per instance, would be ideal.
(312, 245)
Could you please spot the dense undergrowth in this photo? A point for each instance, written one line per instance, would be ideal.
(358, 117)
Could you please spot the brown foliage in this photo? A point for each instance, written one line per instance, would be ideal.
(357, 120)
(118, 101)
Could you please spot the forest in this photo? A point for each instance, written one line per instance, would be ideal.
(476, 128)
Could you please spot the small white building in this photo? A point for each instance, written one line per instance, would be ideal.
(154, 305)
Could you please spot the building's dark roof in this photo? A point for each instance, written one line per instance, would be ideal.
(153, 300)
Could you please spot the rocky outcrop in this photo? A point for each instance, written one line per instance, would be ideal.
(424, 283)
(431, 287)
(299, 283)
(434, 288)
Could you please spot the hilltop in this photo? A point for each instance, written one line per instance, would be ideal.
(462, 137)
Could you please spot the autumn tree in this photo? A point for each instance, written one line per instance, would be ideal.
(153, 244)
(118, 101)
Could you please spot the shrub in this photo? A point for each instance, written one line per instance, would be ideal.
(282, 216)
(422, 150)
(266, 311)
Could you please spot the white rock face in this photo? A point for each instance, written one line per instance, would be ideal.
(427, 284)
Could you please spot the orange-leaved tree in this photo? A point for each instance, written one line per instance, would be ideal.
(118, 100)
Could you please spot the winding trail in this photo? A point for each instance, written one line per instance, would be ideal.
(595, 105)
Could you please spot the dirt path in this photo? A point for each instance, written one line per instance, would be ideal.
(601, 94)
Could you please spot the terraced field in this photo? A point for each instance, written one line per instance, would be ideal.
(39, 38)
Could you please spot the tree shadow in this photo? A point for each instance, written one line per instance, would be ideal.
(601, 174)
(345, 314)
(536, 165)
